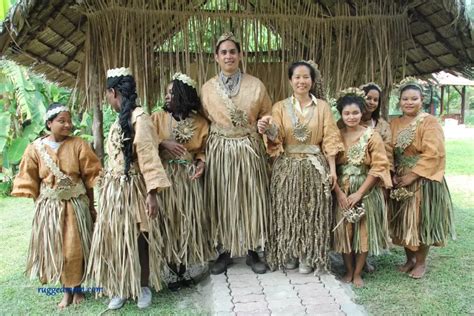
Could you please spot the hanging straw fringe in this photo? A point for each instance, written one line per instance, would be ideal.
(45, 254)
(236, 189)
(114, 260)
(185, 223)
(301, 213)
(352, 43)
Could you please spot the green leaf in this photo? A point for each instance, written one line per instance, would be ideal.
(5, 121)
(17, 149)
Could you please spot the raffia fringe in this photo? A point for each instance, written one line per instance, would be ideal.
(185, 222)
(45, 253)
(236, 189)
(301, 213)
(114, 261)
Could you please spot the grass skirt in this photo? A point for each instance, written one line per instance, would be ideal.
(236, 190)
(185, 224)
(114, 261)
(425, 218)
(47, 257)
(370, 234)
(301, 213)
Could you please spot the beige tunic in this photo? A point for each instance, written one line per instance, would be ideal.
(196, 146)
(255, 101)
(322, 125)
(75, 159)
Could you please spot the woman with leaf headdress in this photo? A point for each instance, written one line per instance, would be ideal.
(363, 169)
(420, 206)
(302, 134)
(183, 132)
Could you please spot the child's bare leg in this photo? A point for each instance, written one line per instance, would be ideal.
(78, 295)
(349, 264)
(359, 266)
(144, 259)
(419, 269)
(67, 299)
(411, 260)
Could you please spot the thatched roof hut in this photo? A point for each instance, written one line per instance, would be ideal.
(73, 42)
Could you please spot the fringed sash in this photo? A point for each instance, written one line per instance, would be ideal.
(66, 189)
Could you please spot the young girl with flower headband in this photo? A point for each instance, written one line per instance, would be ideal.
(183, 134)
(420, 206)
(302, 134)
(127, 242)
(362, 169)
(59, 172)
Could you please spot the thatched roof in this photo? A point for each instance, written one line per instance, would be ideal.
(67, 41)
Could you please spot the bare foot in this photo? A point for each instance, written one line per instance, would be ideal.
(407, 266)
(369, 268)
(66, 301)
(78, 298)
(357, 281)
(418, 271)
(347, 278)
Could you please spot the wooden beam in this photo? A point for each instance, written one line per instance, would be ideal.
(440, 64)
(441, 106)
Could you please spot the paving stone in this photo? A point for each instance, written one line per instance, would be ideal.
(253, 307)
(242, 278)
(330, 281)
(281, 304)
(290, 311)
(283, 294)
(315, 287)
(248, 298)
(278, 288)
(249, 283)
(322, 308)
(223, 306)
(341, 297)
(239, 291)
(253, 314)
(353, 309)
(237, 270)
(219, 278)
(321, 299)
(222, 313)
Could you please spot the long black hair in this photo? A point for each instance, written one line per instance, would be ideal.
(184, 100)
(348, 99)
(126, 87)
(366, 88)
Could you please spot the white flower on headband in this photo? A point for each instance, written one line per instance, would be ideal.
(352, 91)
(184, 79)
(118, 72)
(373, 84)
(55, 111)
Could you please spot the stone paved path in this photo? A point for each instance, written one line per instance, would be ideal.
(242, 292)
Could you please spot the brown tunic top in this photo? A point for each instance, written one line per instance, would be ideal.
(145, 147)
(428, 144)
(74, 157)
(375, 159)
(196, 146)
(322, 126)
(255, 101)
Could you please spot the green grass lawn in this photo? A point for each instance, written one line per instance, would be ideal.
(448, 286)
(460, 157)
(19, 295)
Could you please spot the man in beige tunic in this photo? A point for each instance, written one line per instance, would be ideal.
(236, 182)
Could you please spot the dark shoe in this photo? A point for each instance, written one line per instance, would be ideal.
(174, 286)
(254, 262)
(220, 265)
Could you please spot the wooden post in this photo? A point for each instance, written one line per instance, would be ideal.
(98, 132)
(441, 106)
(463, 103)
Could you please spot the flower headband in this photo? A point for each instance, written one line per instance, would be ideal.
(370, 84)
(118, 72)
(184, 79)
(410, 81)
(55, 111)
(352, 91)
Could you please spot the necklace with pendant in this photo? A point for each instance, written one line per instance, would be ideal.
(300, 129)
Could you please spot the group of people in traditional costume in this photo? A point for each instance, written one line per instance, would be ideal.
(227, 174)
